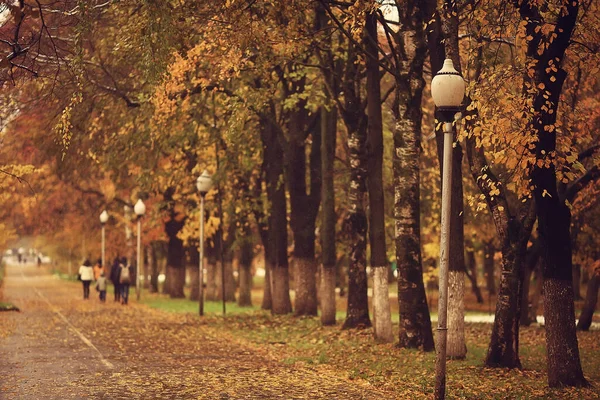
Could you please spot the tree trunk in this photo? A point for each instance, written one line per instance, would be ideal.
(229, 281)
(211, 292)
(245, 291)
(175, 258)
(537, 294)
(532, 258)
(304, 205)
(277, 238)
(503, 350)
(554, 217)
(488, 266)
(414, 319)
(591, 299)
(328, 216)
(267, 300)
(153, 267)
(525, 319)
(382, 318)
(577, 281)
(194, 269)
(472, 275)
(246, 255)
(357, 314)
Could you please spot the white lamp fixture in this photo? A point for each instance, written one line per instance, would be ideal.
(204, 183)
(104, 217)
(139, 208)
(448, 90)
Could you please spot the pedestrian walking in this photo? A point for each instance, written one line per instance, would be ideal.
(101, 286)
(86, 275)
(125, 279)
(98, 268)
(114, 278)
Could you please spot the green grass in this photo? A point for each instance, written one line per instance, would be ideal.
(7, 306)
(164, 302)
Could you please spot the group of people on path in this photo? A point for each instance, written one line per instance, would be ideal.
(121, 275)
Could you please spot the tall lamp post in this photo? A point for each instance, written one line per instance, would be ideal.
(448, 91)
(103, 221)
(140, 210)
(203, 183)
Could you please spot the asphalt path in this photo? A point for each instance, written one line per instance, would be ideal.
(60, 346)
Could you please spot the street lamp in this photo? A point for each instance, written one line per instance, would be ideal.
(203, 183)
(140, 210)
(103, 221)
(448, 91)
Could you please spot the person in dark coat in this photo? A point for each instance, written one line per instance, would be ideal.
(114, 278)
(126, 278)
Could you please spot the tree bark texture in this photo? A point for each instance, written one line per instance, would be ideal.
(503, 350)
(267, 300)
(589, 306)
(357, 314)
(382, 317)
(276, 250)
(415, 322)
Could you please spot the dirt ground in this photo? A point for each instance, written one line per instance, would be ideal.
(60, 346)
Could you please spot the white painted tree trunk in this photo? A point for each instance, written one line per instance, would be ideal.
(328, 295)
(457, 347)
(382, 316)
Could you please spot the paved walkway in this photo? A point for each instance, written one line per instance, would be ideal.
(62, 347)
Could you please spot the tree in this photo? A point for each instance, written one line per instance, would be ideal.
(382, 320)
(545, 60)
(409, 51)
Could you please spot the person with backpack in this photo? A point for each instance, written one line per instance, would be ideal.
(125, 279)
(114, 278)
(86, 275)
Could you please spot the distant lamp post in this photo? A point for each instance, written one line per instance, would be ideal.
(448, 91)
(140, 210)
(203, 183)
(103, 221)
